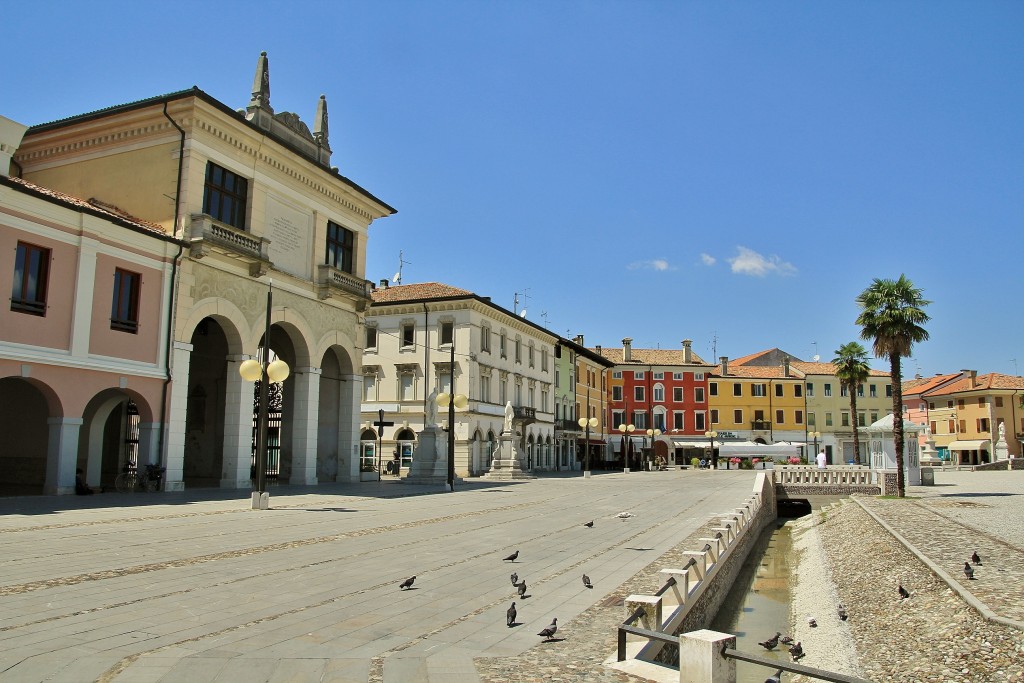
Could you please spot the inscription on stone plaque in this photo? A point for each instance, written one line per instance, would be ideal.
(290, 233)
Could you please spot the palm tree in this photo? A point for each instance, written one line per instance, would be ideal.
(851, 363)
(892, 314)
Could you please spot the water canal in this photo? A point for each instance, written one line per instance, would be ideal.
(759, 603)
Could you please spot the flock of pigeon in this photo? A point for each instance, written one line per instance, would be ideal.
(510, 615)
(968, 572)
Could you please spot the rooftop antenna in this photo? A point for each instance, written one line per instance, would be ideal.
(815, 358)
(544, 315)
(397, 279)
(714, 345)
(1014, 361)
(515, 303)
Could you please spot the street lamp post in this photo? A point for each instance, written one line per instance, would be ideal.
(714, 458)
(264, 372)
(587, 424)
(815, 436)
(653, 433)
(627, 441)
(452, 401)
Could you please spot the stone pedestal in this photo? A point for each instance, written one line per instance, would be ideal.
(428, 467)
(505, 466)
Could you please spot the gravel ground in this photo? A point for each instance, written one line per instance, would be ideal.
(933, 636)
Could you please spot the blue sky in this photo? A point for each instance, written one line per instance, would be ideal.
(732, 173)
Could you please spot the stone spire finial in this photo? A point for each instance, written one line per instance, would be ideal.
(320, 134)
(261, 86)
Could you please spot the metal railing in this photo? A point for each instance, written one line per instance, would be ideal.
(791, 667)
(627, 627)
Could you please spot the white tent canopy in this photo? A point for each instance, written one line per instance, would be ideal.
(749, 449)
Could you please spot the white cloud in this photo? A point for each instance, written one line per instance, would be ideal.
(749, 262)
(708, 259)
(657, 264)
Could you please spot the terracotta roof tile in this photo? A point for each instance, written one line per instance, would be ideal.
(650, 356)
(826, 369)
(914, 387)
(742, 360)
(986, 382)
(754, 372)
(92, 205)
(416, 292)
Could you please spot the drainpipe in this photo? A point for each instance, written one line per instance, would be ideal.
(426, 357)
(1013, 417)
(172, 294)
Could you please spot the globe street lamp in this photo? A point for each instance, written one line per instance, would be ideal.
(263, 372)
(626, 439)
(587, 424)
(452, 401)
(714, 458)
(653, 433)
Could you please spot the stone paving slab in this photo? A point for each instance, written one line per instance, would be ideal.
(200, 587)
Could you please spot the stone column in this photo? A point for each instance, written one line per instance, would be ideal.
(61, 454)
(236, 468)
(174, 458)
(351, 401)
(305, 412)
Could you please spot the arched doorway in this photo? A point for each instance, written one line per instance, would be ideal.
(338, 407)
(405, 442)
(368, 451)
(205, 413)
(24, 412)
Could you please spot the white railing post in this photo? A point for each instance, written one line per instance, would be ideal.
(701, 660)
(650, 618)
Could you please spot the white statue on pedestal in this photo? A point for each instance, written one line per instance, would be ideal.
(509, 414)
(430, 420)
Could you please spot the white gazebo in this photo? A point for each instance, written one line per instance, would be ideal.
(883, 452)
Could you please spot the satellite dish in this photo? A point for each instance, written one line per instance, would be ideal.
(522, 313)
(397, 279)
(815, 358)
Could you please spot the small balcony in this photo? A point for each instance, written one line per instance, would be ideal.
(761, 424)
(525, 415)
(207, 236)
(335, 283)
(567, 426)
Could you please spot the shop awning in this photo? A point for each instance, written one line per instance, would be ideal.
(970, 445)
(706, 443)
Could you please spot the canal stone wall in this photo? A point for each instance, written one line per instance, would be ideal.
(699, 608)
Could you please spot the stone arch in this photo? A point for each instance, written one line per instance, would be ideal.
(228, 316)
(27, 406)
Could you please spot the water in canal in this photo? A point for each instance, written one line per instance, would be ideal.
(758, 604)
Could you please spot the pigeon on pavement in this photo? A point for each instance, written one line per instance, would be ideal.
(590, 524)
(976, 558)
(624, 515)
(515, 578)
(774, 678)
(968, 570)
(510, 615)
(772, 642)
(407, 583)
(786, 640)
(511, 558)
(521, 587)
(903, 592)
(812, 622)
(843, 614)
(549, 632)
(797, 652)
(586, 581)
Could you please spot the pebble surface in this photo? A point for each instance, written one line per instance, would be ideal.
(934, 635)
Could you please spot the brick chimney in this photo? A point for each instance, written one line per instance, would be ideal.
(972, 375)
(724, 360)
(384, 284)
(598, 349)
(687, 351)
(627, 350)
(578, 339)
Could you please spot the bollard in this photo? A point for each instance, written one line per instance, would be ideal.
(701, 660)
